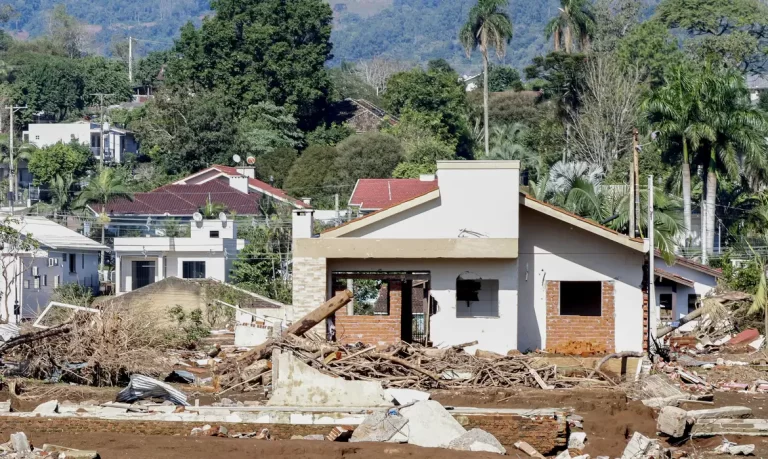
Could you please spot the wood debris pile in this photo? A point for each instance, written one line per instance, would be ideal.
(407, 366)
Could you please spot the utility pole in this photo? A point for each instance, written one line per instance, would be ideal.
(631, 231)
(652, 311)
(636, 180)
(101, 97)
(336, 206)
(130, 60)
(12, 167)
(703, 237)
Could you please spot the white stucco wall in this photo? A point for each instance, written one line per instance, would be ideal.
(483, 201)
(498, 334)
(171, 265)
(703, 284)
(43, 134)
(551, 250)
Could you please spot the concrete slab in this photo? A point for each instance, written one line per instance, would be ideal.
(382, 427)
(49, 407)
(721, 413)
(577, 440)
(715, 427)
(672, 421)
(298, 384)
(5, 407)
(639, 446)
(430, 425)
(477, 440)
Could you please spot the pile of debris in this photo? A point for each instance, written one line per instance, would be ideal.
(18, 447)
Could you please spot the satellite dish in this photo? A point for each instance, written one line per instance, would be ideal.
(237, 158)
(251, 160)
(197, 216)
(223, 217)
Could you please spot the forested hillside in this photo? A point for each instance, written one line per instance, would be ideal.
(411, 30)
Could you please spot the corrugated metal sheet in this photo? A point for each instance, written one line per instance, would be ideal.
(143, 387)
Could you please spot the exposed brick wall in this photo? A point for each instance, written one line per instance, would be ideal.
(645, 319)
(599, 331)
(547, 434)
(309, 285)
(377, 329)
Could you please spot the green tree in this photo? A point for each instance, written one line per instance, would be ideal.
(573, 26)
(329, 134)
(370, 155)
(266, 127)
(47, 163)
(258, 51)
(261, 266)
(61, 189)
(422, 158)
(103, 187)
(274, 167)
(67, 32)
(312, 175)
(652, 47)
(150, 70)
(488, 27)
(434, 99)
(734, 30)
(439, 65)
(508, 143)
(503, 78)
(107, 76)
(49, 84)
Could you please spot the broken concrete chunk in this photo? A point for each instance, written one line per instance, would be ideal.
(382, 427)
(5, 407)
(70, 453)
(577, 440)
(758, 343)
(298, 384)
(563, 455)
(477, 440)
(721, 413)
(49, 407)
(407, 396)
(340, 433)
(672, 421)
(640, 446)
(528, 449)
(734, 450)
(20, 443)
(715, 427)
(430, 425)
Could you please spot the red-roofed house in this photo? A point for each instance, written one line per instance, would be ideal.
(500, 268)
(371, 195)
(243, 179)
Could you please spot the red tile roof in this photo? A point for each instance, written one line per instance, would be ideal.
(260, 186)
(375, 194)
(687, 262)
(185, 200)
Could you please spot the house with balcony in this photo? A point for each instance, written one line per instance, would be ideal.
(208, 253)
(473, 259)
(117, 142)
(28, 278)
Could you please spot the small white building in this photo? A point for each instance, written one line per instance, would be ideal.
(117, 142)
(208, 253)
(680, 287)
(29, 277)
(499, 266)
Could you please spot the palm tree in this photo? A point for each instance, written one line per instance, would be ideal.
(21, 153)
(738, 147)
(102, 188)
(576, 20)
(61, 188)
(507, 142)
(488, 26)
(674, 111)
(212, 209)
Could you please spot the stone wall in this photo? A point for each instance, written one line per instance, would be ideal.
(597, 330)
(309, 285)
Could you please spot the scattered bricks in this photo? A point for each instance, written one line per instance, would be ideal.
(340, 433)
(219, 431)
(716, 427)
(672, 421)
(547, 434)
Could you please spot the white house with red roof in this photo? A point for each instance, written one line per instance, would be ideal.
(500, 267)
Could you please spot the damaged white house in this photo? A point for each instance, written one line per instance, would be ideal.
(472, 258)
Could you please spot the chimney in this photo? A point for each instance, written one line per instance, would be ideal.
(249, 172)
(303, 223)
(307, 201)
(427, 177)
(239, 182)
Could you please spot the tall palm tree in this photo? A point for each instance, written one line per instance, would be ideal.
(61, 189)
(507, 142)
(102, 188)
(489, 26)
(574, 22)
(738, 147)
(674, 111)
(21, 153)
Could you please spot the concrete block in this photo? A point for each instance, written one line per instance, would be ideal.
(298, 384)
(716, 427)
(430, 425)
(380, 426)
(721, 413)
(563, 455)
(5, 407)
(577, 440)
(407, 396)
(477, 440)
(758, 343)
(672, 421)
(49, 407)
(71, 453)
(528, 449)
(734, 450)
(639, 446)
(249, 336)
(19, 443)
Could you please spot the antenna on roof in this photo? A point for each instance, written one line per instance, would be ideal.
(237, 159)
(197, 216)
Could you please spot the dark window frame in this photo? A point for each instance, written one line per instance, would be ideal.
(192, 269)
(213, 234)
(73, 263)
(468, 298)
(575, 302)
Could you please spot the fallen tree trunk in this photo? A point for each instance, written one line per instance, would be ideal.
(36, 336)
(297, 329)
(406, 364)
(661, 332)
(618, 355)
